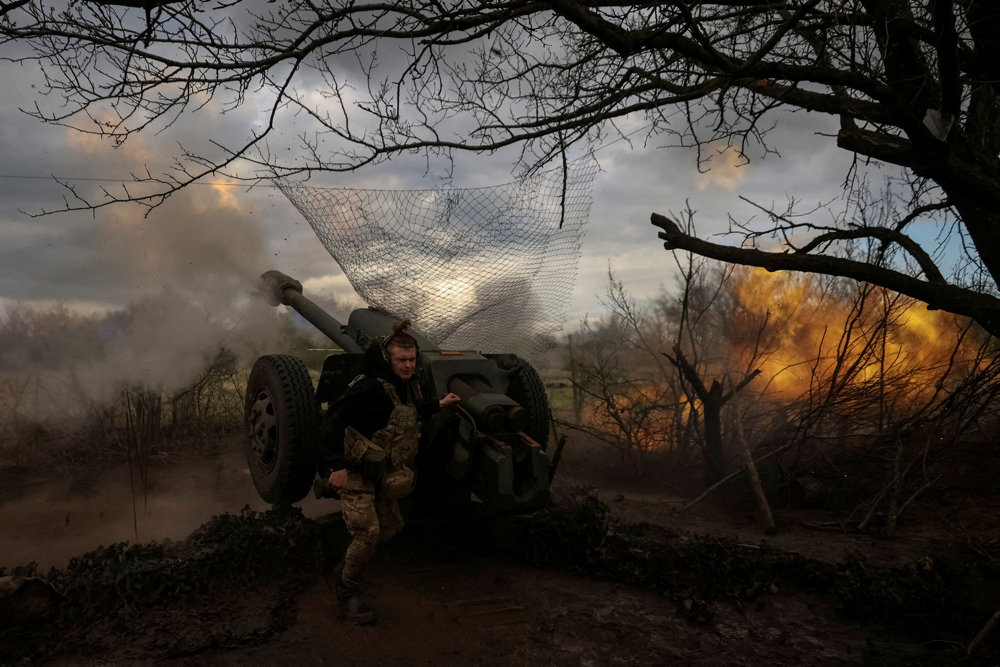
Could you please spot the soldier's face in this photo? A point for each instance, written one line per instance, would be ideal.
(403, 361)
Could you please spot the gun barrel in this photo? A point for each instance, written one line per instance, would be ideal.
(285, 290)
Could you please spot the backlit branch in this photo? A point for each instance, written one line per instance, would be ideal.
(984, 308)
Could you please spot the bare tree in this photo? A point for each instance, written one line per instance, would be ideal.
(854, 395)
(701, 348)
(630, 405)
(642, 370)
(213, 403)
(711, 399)
(913, 84)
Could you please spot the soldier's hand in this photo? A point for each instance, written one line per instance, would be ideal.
(338, 479)
(450, 399)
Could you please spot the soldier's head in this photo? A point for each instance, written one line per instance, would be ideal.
(401, 351)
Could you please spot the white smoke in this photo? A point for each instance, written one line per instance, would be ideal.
(193, 268)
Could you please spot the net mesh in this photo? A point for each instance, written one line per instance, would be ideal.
(489, 269)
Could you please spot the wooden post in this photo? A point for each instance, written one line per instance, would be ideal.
(989, 629)
(577, 394)
(755, 485)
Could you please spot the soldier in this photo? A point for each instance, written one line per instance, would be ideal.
(372, 433)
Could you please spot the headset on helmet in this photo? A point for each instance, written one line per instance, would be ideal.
(400, 337)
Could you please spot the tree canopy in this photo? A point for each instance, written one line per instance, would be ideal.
(912, 83)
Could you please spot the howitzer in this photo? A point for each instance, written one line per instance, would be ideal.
(486, 457)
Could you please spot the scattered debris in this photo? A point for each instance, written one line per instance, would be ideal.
(26, 600)
(186, 598)
(108, 587)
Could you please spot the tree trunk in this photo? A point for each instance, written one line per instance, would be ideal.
(715, 468)
(983, 225)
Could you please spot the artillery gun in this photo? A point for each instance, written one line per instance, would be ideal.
(486, 458)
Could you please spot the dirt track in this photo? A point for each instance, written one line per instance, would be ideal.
(490, 611)
(459, 603)
(450, 599)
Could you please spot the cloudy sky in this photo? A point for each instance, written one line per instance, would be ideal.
(215, 238)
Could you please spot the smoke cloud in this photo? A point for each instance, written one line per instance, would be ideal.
(192, 274)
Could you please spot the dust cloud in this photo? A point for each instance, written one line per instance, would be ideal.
(193, 277)
(61, 515)
(190, 276)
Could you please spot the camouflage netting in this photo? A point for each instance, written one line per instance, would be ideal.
(490, 269)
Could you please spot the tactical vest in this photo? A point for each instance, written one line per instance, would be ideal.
(396, 442)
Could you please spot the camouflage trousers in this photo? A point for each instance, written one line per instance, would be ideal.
(369, 520)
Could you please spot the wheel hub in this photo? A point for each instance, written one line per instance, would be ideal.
(264, 429)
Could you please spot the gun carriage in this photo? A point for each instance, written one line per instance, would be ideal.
(488, 457)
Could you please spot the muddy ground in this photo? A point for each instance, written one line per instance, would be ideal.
(613, 575)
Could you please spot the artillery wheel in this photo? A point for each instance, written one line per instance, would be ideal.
(282, 423)
(527, 388)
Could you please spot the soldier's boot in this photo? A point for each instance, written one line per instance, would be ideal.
(353, 608)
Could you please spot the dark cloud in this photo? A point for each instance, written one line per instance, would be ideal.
(225, 236)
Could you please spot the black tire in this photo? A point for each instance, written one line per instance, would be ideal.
(282, 424)
(526, 387)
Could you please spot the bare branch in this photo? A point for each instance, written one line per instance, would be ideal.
(913, 84)
(984, 308)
